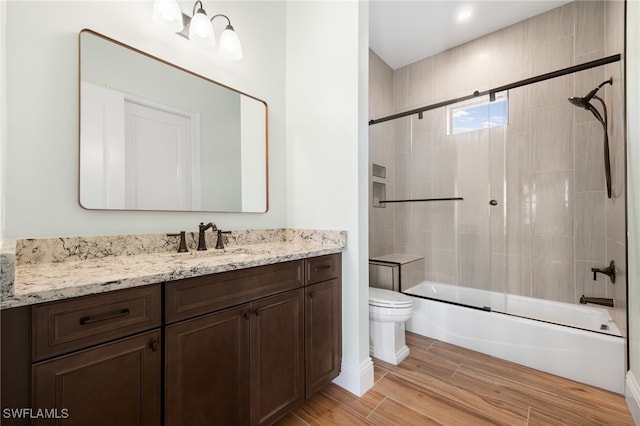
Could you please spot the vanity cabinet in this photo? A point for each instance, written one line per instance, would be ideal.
(242, 365)
(242, 347)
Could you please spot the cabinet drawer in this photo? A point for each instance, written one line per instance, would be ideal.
(190, 297)
(64, 326)
(323, 268)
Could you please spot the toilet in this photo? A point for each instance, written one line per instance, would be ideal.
(388, 311)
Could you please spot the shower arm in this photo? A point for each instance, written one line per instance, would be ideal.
(607, 157)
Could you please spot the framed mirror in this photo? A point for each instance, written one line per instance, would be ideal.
(155, 136)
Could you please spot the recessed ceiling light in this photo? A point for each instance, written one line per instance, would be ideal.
(464, 14)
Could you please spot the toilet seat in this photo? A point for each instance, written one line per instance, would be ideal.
(388, 299)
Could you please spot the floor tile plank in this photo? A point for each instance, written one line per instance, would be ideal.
(316, 407)
(392, 413)
(554, 398)
(342, 417)
(362, 406)
(438, 407)
(442, 384)
(291, 419)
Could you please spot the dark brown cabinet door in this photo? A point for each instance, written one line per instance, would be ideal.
(113, 384)
(277, 355)
(323, 342)
(207, 370)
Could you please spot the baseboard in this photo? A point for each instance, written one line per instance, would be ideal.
(357, 379)
(632, 395)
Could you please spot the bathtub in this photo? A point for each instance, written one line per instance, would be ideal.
(588, 349)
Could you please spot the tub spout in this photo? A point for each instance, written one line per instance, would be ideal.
(604, 301)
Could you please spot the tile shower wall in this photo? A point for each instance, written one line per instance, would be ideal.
(545, 168)
(381, 152)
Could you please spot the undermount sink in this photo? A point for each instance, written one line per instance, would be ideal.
(215, 259)
(226, 254)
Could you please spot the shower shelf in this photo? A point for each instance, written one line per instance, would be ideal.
(421, 199)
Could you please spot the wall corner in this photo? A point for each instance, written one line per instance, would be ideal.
(632, 395)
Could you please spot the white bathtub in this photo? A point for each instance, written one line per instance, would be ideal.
(593, 357)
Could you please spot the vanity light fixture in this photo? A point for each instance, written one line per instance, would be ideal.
(198, 28)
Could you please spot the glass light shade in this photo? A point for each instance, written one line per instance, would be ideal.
(201, 30)
(230, 47)
(167, 14)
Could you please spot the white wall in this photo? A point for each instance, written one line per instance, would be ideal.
(42, 122)
(633, 203)
(327, 152)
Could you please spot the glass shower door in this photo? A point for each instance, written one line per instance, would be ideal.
(448, 219)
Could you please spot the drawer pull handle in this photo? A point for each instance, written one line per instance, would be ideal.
(106, 316)
(322, 267)
(154, 345)
(258, 312)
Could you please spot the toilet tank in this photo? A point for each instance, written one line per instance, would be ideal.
(397, 272)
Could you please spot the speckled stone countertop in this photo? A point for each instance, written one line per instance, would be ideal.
(44, 270)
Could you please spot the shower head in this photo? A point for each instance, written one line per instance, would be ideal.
(586, 101)
(579, 102)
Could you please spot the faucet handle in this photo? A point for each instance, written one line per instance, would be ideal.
(182, 248)
(610, 271)
(220, 242)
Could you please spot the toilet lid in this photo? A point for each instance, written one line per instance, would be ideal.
(388, 298)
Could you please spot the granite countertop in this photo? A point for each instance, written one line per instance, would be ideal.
(37, 282)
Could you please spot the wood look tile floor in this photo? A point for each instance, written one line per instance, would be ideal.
(443, 384)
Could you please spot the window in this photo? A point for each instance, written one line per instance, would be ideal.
(478, 113)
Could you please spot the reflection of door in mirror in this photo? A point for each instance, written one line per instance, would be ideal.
(160, 161)
(154, 166)
(154, 136)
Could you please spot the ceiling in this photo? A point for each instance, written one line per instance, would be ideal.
(402, 32)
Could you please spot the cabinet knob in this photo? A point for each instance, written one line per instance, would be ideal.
(311, 294)
(154, 345)
(257, 312)
(246, 315)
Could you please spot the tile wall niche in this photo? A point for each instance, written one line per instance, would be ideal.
(545, 168)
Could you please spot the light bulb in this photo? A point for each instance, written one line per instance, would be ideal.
(201, 30)
(230, 47)
(167, 14)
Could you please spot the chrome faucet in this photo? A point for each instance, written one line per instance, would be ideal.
(610, 271)
(604, 301)
(202, 243)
